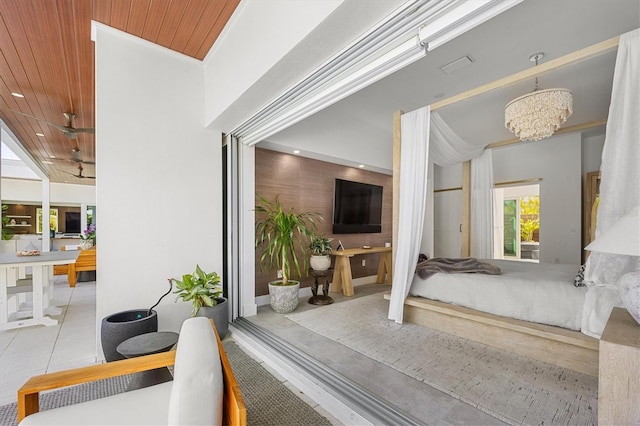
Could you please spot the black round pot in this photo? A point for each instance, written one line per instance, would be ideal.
(118, 327)
(219, 314)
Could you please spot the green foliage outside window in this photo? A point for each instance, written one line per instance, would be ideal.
(529, 217)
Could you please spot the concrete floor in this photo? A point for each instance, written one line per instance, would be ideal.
(412, 396)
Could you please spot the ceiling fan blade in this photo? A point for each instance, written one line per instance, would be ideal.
(35, 118)
(77, 160)
(83, 130)
(79, 176)
(69, 131)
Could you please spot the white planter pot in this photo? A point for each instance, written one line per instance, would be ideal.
(320, 263)
(86, 244)
(284, 298)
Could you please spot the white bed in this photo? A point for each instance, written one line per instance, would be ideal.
(540, 293)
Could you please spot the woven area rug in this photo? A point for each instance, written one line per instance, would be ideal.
(268, 401)
(510, 387)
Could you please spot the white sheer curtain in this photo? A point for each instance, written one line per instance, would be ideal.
(413, 188)
(619, 184)
(427, 139)
(446, 147)
(482, 206)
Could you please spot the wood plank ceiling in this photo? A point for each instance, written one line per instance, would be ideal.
(46, 55)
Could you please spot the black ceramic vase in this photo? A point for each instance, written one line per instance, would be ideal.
(118, 327)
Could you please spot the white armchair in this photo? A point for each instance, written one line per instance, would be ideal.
(203, 391)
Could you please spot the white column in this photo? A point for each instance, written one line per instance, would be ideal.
(246, 217)
(46, 205)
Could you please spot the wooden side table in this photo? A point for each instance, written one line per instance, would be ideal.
(321, 278)
(342, 277)
(619, 371)
(147, 344)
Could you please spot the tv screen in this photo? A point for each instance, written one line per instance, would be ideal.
(357, 208)
(72, 222)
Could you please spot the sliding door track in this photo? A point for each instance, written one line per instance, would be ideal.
(370, 406)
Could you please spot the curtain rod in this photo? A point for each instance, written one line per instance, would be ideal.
(497, 184)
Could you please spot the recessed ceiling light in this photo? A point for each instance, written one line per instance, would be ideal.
(47, 162)
(40, 135)
(297, 151)
(17, 95)
(52, 156)
(361, 166)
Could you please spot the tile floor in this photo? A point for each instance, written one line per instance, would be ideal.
(30, 351)
(25, 352)
(72, 343)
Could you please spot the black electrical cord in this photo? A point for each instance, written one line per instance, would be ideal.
(162, 297)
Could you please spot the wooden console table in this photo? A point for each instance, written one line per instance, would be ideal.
(342, 278)
(619, 378)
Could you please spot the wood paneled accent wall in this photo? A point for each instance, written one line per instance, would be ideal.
(307, 185)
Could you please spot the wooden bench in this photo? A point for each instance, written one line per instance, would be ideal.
(565, 348)
(86, 261)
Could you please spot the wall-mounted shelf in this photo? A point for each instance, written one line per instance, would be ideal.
(16, 225)
(18, 216)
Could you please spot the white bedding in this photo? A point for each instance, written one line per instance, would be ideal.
(541, 293)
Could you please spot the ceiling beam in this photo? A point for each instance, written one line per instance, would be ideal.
(570, 129)
(571, 58)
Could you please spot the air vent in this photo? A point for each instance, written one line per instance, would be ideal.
(456, 65)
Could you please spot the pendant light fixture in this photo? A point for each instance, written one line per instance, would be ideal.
(537, 115)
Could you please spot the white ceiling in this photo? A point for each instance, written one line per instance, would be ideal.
(358, 128)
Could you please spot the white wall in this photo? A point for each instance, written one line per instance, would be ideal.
(558, 162)
(30, 191)
(258, 35)
(592, 153)
(158, 172)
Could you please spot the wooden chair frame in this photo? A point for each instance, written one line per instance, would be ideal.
(234, 408)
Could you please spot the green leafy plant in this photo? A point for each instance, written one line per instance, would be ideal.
(529, 217)
(7, 234)
(200, 288)
(283, 233)
(320, 245)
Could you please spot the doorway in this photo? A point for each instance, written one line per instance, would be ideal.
(517, 219)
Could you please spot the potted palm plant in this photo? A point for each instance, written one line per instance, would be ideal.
(320, 247)
(204, 291)
(283, 234)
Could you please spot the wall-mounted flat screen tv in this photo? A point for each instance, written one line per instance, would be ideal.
(72, 222)
(357, 208)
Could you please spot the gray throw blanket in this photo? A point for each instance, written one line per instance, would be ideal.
(453, 266)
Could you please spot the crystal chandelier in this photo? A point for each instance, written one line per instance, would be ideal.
(537, 115)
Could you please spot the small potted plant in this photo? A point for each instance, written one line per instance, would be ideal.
(204, 291)
(88, 237)
(284, 234)
(320, 247)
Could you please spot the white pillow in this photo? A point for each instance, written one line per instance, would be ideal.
(196, 395)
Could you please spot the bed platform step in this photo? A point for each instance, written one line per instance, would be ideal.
(554, 345)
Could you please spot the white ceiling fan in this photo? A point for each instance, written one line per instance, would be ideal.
(79, 175)
(68, 130)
